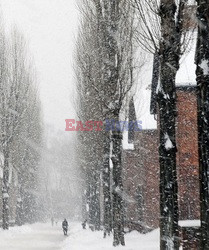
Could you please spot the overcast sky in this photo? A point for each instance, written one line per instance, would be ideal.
(50, 27)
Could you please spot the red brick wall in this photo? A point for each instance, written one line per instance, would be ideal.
(133, 177)
(187, 155)
(141, 172)
(151, 184)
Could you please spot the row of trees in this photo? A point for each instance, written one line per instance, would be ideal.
(20, 125)
(104, 68)
(104, 74)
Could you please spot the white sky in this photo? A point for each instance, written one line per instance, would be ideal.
(50, 28)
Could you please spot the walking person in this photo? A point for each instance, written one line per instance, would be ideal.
(65, 226)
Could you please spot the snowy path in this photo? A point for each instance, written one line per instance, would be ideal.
(45, 237)
(35, 237)
(87, 240)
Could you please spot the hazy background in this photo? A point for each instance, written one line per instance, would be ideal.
(50, 28)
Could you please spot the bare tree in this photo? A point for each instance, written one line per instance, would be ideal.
(89, 109)
(161, 32)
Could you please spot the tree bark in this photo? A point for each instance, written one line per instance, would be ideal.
(171, 30)
(118, 210)
(202, 74)
(168, 176)
(106, 186)
(5, 191)
(93, 201)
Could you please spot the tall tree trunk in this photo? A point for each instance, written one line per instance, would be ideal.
(93, 200)
(168, 177)
(106, 186)
(171, 27)
(202, 73)
(118, 210)
(5, 190)
(19, 211)
(96, 202)
(88, 198)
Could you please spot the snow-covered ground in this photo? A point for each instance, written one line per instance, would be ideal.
(87, 240)
(46, 237)
(32, 237)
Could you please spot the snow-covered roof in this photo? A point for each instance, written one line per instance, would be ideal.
(186, 73)
(125, 143)
(189, 223)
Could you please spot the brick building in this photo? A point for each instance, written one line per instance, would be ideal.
(141, 168)
(141, 159)
(187, 155)
(141, 182)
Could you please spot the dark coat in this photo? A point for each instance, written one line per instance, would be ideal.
(65, 224)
